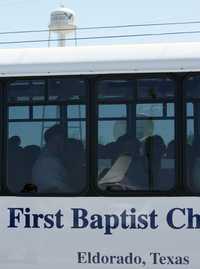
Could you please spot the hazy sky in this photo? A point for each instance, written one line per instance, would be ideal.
(16, 15)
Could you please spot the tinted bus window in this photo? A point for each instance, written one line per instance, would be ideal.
(155, 88)
(46, 112)
(66, 89)
(118, 90)
(26, 90)
(47, 147)
(192, 86)
(112, 122)
(136, 139)
(192, 147)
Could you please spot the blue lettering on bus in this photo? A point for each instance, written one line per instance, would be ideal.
(23, 218)
(128, 219)
(109, 222)
(175, 212)
(185, 217)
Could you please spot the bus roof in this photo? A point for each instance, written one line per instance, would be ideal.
(138, 58)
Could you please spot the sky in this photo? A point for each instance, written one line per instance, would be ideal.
(18, 15)
(25, 15)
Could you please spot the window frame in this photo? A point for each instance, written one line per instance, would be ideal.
(178, 165)
(91, 133)
(45, 102)
(186, 100)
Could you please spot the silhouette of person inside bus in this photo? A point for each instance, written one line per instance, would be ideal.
(49, 173)
(125, 145)
(14, 142)
(193, 165)
(29, 188)
(16, 177)
(74, 161)
(154, 150)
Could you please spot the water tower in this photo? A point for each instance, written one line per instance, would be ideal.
(62, 22)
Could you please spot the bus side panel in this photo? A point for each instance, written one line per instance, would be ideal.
(99, 232)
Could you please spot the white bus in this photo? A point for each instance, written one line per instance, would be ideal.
(100, 157)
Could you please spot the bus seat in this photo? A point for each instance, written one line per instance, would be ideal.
(136, 177)
(74, 162)
(166, 180)
(154, 151)
(168, 163)
(125, 145)
(16, 163)
(166, 177)
(31, 154)
(194, 182)
(170, 151)
(117, 171)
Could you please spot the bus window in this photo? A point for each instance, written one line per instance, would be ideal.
(26, 90)
(66, 89)
(136, 139)
(46, 112)
(21, 112)
(118, 90)
(155, 88)
(46, 147)
(192, 87)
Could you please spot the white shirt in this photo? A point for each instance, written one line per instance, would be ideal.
(49, 174)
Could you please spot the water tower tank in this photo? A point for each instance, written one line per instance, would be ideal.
(62, 22)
